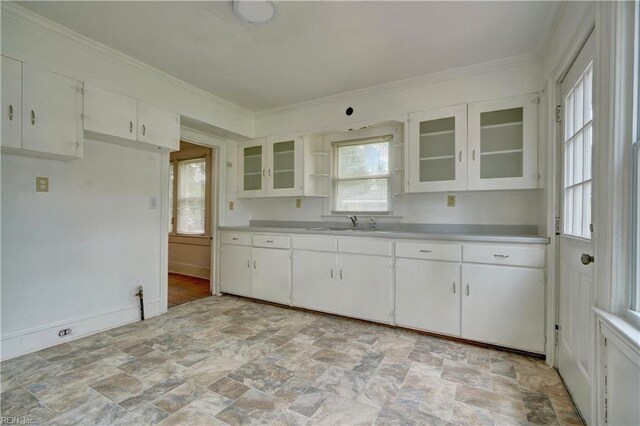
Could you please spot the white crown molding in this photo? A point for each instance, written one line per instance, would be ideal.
(48, 28)
(414, 82)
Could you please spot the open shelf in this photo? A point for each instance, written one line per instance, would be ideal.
(440, 157)
(443, 132)
(283, 152)
(319, 153)
(495, 126)
(284, 171)
(506, 151)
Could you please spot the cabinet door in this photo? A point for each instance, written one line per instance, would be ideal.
(271, 274)
(51, 108)
(428, 295)
(503, 143)
(364, 287)
(11, 73)
(235, 269)
(314, 280)
(504, 306)
(251, 169)
(110, 113)
(284, 166)
(158, 126)
(438, 150)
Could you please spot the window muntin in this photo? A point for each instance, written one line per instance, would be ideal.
(361, 178)
(578, 142)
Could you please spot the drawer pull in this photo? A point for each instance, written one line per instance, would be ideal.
(467, 290)
(249, 263)
(270, 241)
(331, 272)
(254, 264)
(453, 288)
(501, 256)
(10, 112)
(340, 273)
(426, 251)
(235, 238)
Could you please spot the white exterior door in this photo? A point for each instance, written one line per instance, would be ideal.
(51, 108)
(576, 285)
(271, 275)
(428, 295)
(11, 103)
(235, 270)
(314, 280)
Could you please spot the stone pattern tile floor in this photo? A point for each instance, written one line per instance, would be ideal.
(227, 360)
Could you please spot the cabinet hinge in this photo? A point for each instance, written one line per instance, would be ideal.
(558, 113)
(557, 225)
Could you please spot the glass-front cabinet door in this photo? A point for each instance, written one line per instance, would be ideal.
(251, 168)
(284, 166)
(503, 143)
(438, 150)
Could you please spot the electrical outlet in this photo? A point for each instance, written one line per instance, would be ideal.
(42, 184)
(230, 205)
(153, 203)
(64, 332)
(451, 200)
(298, 203)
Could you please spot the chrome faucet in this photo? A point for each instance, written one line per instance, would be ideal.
(373, 223)
(354, 221)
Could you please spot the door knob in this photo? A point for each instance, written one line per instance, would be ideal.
(586, 259)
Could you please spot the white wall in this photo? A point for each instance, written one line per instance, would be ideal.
(481, 207)
(73, 257)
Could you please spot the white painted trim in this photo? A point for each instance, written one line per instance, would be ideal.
(41, 337)
(190, 270)
(165, 214)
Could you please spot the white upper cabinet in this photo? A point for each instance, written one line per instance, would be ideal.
(284, 166)
(438, 150)
(158, 126)
(251, 168)
(503, 138)
(51, 114)
(11, 73)
(115, 118)
(110, 113)
(275, 167)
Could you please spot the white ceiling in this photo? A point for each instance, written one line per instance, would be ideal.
(312, 49)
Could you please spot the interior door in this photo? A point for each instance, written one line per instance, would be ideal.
(576, 289)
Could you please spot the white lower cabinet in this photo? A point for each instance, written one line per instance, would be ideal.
(270, 277)
(236, 269)
(314, 284)
(428, 295)
(364, 287)
(504, 306)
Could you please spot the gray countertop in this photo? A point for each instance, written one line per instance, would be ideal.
(450, 234)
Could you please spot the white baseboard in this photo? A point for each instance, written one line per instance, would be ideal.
(34, 339)
(190, 270)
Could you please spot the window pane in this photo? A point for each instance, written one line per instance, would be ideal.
(170, 197)
(363, 195)
(191, 196)
(371, 159)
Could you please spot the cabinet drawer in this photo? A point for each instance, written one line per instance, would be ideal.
(314, 242)
(358, 245)
(504, 255)
(271, 241)
(239, 238)
(433, 251)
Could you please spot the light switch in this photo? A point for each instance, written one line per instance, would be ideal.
(451, 200)
(153, 203)
(42, 184)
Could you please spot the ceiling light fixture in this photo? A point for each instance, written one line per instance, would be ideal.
(255, 11)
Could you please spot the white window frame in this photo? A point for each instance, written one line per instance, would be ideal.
(353, 136)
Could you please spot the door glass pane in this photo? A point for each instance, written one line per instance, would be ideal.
(437, 150)
(501, 144)
(191, 196)
(252, 168)
(284, 165)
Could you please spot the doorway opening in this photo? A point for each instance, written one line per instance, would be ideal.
(190, 192)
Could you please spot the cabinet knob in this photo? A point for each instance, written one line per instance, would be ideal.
(144, 130)
(340, 273)
(254, 264)
(130, 126)
(249, 263)
(460, 157)
(269, 173)
(467, 290)
(453, 287)
(10, 112)
(33, 118)
(331, 273)
(473, 155)
(501, 256)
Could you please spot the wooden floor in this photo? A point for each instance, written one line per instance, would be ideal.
(184, 289)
